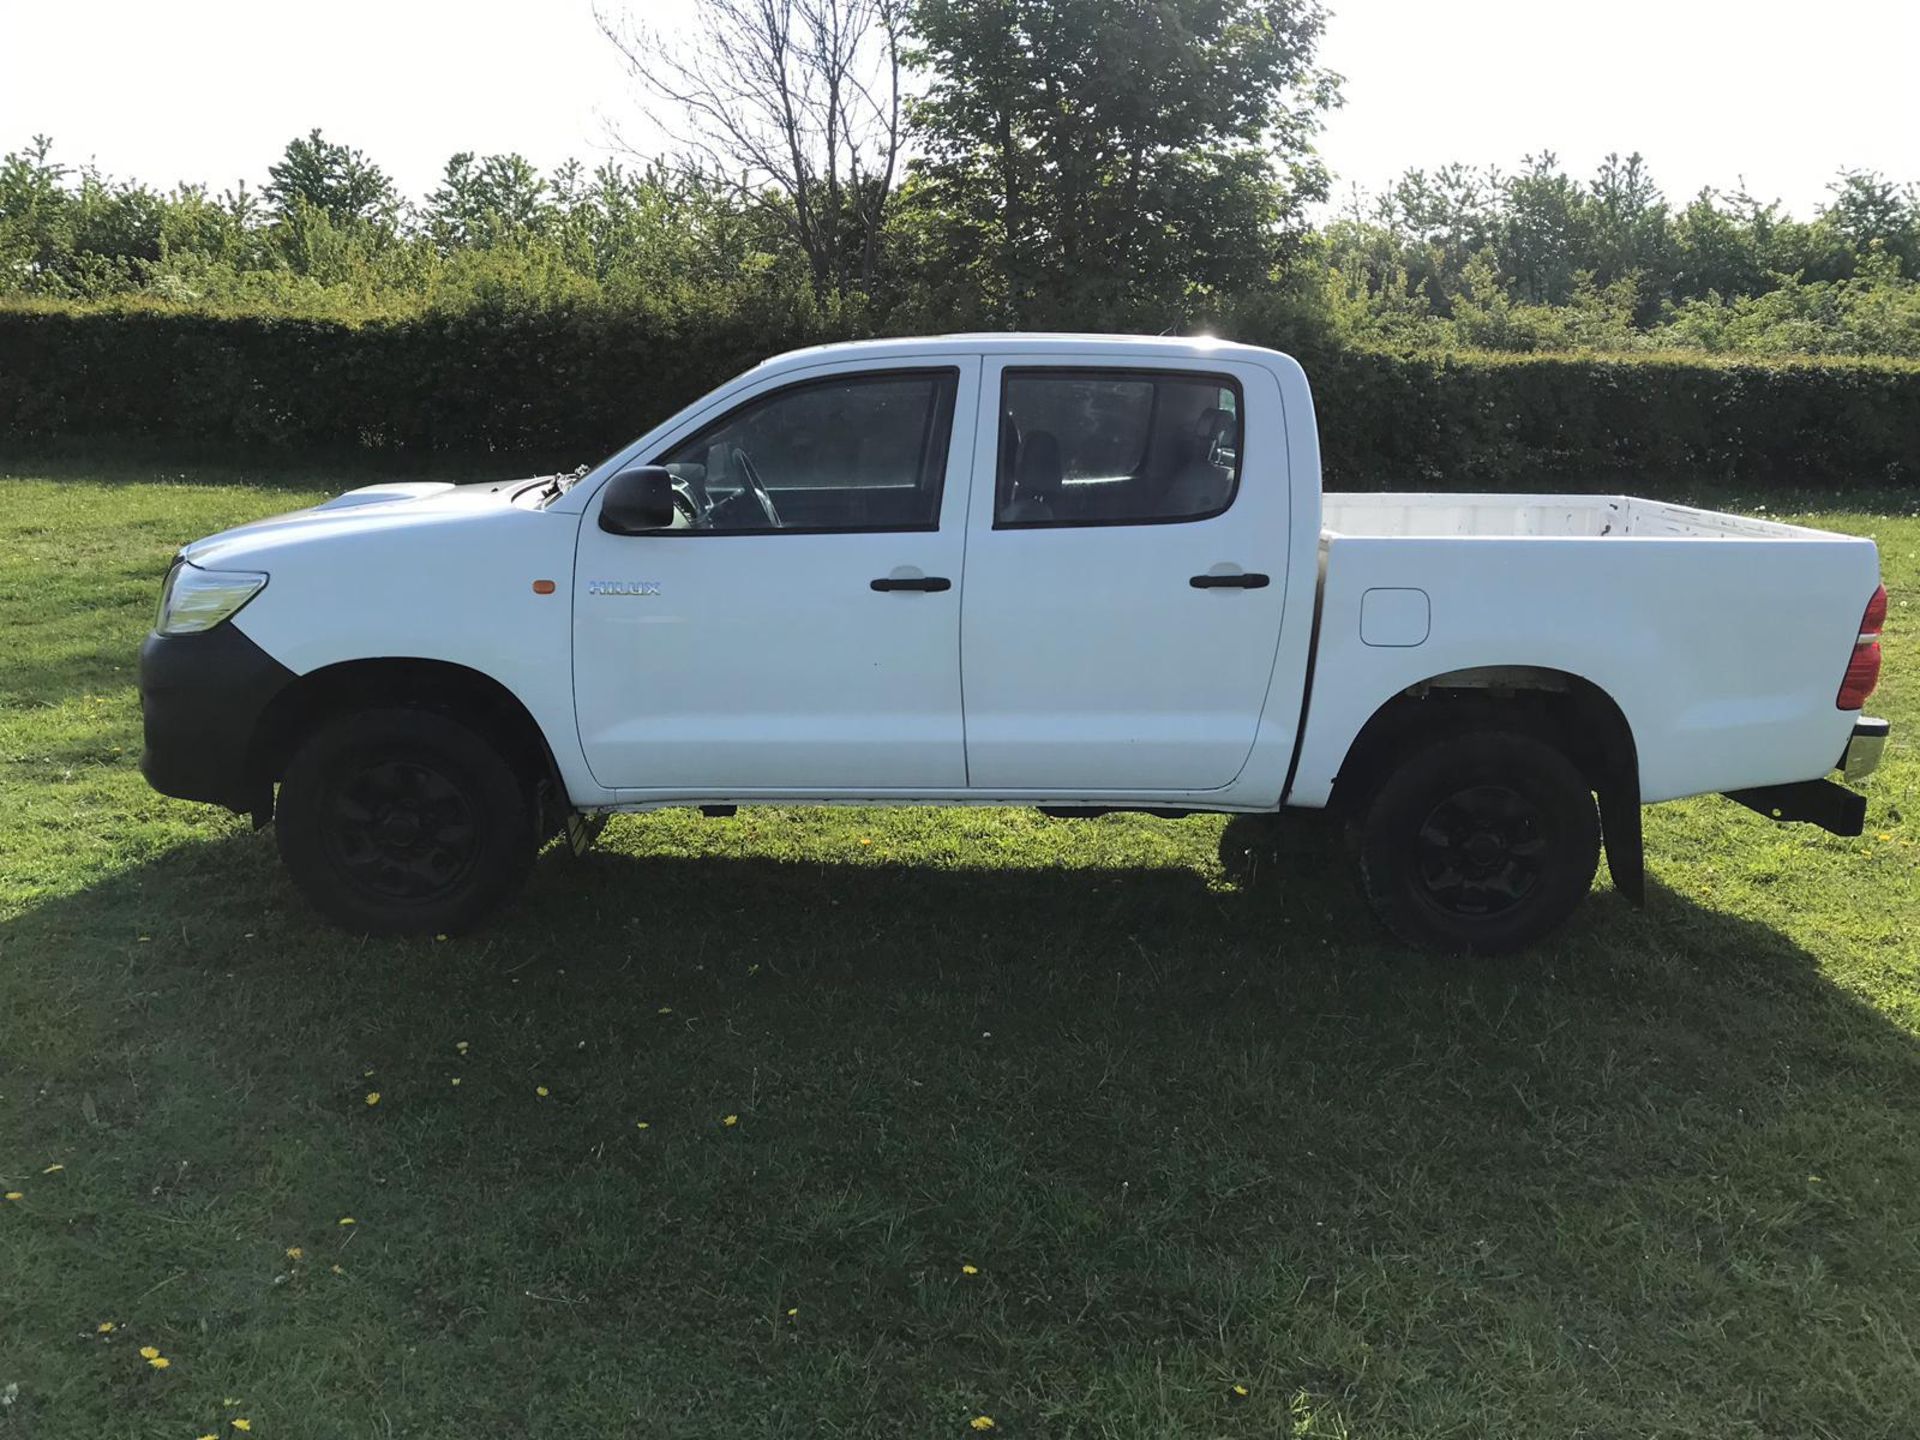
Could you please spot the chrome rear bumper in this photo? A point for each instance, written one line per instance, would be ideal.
(1864, 750)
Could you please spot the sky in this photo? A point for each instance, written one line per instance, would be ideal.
(1710, 91)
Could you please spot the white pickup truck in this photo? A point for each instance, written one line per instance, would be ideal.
(1079, 572)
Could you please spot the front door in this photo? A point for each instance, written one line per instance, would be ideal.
(1126, 570)
(799, 627)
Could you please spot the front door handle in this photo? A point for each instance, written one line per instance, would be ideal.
(912, 582)
(1247, 581)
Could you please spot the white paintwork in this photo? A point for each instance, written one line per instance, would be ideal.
(767, 661)
(1069, 664)
(1092, 663)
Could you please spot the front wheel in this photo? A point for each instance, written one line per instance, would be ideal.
(1480, 843)
(403, 822)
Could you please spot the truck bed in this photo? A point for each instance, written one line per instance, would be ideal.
(1722, 640)
(1397, 515)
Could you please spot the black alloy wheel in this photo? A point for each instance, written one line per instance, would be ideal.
(1480, 841)
(404, 821)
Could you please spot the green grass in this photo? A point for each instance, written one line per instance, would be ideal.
(1659, 1179)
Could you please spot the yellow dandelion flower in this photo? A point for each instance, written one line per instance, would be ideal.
(16, 1194)
(242, 1423)
(105, 1327)
(439, 937)
(294, 1252)
(793, 1312)
(456, 1079)
(664, 1010)
(969, 1269)
(865, 841)
(230, 1401)
(980, 1422)
(730, 1120)
(1240, 1392)
(159, 1362)
(208, 1436)
(53, 1170)
(348, 1220)
(148, 1352)
(541, 1091)
(1885, 836)
(373, 1097)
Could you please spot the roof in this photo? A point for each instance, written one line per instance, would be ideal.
(997, 342)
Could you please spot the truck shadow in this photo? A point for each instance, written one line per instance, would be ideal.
(1138, 1082)
(1281, 959)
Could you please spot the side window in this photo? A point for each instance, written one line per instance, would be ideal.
(1115, 447)
(854, 452)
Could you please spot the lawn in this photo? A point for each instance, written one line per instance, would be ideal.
(878, 1122)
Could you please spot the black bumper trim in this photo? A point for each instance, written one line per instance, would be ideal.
(201, 698)
(1819, 802)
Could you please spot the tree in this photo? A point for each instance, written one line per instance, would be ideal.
(339, 182)
(1107, 157)
(798, 102)
(483, 203)
(1876, 215)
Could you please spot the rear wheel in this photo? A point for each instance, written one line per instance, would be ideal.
(404, 821)
(1479, 842)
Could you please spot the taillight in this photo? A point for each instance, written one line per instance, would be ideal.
(1863, 670)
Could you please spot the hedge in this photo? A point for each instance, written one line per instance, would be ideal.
(570, 384)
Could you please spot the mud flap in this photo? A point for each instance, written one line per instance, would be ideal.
(583, 830)
(1620, 830)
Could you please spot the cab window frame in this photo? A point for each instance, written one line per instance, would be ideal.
(936, 444)
(1002, 460)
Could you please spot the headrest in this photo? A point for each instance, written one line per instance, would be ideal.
(1038, 472)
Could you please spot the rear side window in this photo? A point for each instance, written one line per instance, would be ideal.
(1116, 447)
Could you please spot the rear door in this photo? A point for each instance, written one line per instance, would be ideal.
(799, 628)
(1126, 571)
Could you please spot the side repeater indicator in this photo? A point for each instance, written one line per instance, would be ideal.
(543, 587)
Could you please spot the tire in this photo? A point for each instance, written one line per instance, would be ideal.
(1479, 843)
(404, 822)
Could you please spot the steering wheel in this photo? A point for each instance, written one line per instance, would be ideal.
(757, 486)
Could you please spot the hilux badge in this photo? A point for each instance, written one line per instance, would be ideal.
(623, 587)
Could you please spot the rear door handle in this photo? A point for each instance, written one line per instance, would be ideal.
(912, 582)
(1249, 581)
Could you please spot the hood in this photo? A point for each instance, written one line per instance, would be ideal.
(371, 507)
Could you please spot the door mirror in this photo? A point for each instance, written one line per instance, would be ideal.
(637, 501)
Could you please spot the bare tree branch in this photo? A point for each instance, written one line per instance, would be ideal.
(797, 103)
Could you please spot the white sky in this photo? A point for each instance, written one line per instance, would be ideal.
(1709, 90)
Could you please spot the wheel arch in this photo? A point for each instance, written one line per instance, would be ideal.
(1572, 712)
(459, 691)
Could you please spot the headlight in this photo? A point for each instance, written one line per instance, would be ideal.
(193, 599)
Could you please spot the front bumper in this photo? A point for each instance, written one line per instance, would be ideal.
(201, 698)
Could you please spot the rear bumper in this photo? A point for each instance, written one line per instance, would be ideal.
(1862, 755)
(201, 698)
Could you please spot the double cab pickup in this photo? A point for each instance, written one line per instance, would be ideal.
(1085, 573)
